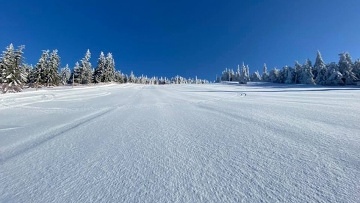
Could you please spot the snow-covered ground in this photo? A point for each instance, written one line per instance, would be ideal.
(181, 143)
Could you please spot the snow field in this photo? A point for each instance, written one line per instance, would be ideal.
(180, 143)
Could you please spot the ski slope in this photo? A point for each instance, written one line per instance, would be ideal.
(181, 143)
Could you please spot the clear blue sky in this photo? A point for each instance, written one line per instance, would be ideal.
(186, 37)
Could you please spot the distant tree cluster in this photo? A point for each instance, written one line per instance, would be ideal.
(345, 72)
(15, 74)
(241, 75)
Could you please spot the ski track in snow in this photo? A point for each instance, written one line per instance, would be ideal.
(180, 143)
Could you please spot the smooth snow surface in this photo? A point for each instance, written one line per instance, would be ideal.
(181, 143)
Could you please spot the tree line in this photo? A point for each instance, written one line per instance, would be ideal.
(345, 72)
(16, 75)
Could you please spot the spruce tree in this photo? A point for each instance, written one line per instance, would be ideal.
(131, 78)
(41, 69)
(265, 75)
(356, 69)
(244, 77)
(290, 76)
(255, 77)
(109, 70)
(320, 70)
(65, 75)
(283, 74)
(334, 77)
(346, 69)
(297, 71)
(247, 72)
(83, 73)
(237, 74)
(119, 77)
(77, 74)
(52, 69)
(274, 75)
(100, 69)
(306, 75)
(224, 75)
(85, 69)
(29, 72)
(319, 64)
(13, 75)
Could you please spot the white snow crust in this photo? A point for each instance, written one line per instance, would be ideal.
(181, 143)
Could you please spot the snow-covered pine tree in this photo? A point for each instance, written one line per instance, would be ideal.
(320, 70)
(319, 63)
(297, 71)
(77, 74)
(228, 75)
(119, 77)
(356, 68)
(7, 59)
(31, 77)
(244, 77)
(175, 80)
(161, 81)
(137, 80)
(290, 76)
(306, 76)
(52, 69)
(344, 62)
(85, 73)
(131, 78)
(283, 74)
(126, 78)
(224, 75)
(255, 77)
(2, 71)
(100, 69)
(231, 75)
(274, 75)
(265, 74)
(13, 75)
(334, 77)
(143, 79)
(41, 69)
(178, 79)
(155, 80)
(29, 72)
(65, 75)
(237, 74)
(109, 69)
(247, 73)
(346, 69)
